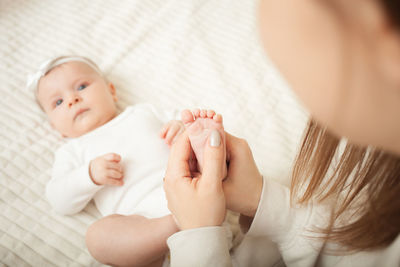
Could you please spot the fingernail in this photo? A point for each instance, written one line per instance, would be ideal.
(215, 138)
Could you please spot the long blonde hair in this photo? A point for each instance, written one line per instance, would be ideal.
(365, 180)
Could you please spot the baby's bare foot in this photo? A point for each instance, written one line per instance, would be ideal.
(199, 125)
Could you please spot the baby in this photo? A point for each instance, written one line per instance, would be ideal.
(118, 160)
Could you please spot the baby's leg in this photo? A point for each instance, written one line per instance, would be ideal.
(130, 240)
(199, 125)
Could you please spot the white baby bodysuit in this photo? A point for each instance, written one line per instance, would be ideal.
(134, 135)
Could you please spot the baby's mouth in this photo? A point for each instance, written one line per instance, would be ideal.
(80, 112)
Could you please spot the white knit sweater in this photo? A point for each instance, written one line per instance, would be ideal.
(288, 227)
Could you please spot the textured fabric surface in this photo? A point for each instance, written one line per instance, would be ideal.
(174, 54)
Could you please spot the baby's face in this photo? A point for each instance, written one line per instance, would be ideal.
(76, 98)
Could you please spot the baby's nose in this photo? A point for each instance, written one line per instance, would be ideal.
(73, 101)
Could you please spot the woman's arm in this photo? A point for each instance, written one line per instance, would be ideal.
(198, 204)
(265, 207)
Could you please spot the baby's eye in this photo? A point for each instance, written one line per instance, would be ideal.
(82, 86)
(58, 102)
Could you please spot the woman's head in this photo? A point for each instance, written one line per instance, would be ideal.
(343, 60)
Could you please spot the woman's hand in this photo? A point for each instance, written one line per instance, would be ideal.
(243, 185)
(196, 200)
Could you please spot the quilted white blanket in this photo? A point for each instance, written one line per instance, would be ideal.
(174, 54)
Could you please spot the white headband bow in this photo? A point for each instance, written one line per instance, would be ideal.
(45, 67)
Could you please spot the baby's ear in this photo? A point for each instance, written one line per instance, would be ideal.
(113, 91)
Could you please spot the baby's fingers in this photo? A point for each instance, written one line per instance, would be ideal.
(117, 182)
(164, 130)
(114, 174)
(115, 166)
(114, 177)
(112, 157)
(172, 132)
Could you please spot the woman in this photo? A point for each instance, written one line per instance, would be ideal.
(342, 58)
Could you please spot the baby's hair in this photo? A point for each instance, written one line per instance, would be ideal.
(47, 66)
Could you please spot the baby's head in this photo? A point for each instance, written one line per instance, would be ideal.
(74, 94)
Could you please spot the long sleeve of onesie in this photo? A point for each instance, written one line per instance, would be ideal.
(70, 188)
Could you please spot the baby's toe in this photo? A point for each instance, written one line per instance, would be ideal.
(196, 112)
(217, 118)
(210, 113)
(203, 113)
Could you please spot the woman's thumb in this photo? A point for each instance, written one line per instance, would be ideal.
(214, 158)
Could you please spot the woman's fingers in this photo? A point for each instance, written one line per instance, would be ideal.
(180, 130)
(196, 200)
(179, 157)
(172, 132)
(164, 130)
(233, 144)
(214, 159)
(243, 186)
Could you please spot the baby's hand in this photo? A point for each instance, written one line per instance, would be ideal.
(106, 170)
(171, 131)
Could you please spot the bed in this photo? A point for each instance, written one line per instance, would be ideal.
(173, 54)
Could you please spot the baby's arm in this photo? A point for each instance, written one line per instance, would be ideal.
(71, 187)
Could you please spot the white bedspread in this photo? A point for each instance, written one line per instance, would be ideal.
(175, 54)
